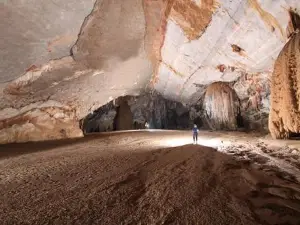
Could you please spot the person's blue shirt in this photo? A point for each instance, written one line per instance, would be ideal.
(195, 130)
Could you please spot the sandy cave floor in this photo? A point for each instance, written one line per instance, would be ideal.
(151, 178)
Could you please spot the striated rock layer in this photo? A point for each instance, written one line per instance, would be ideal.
(284, 118)
(37, 122)
(222, 106)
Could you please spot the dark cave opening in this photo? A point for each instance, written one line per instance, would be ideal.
(133, 112)
(294, 136)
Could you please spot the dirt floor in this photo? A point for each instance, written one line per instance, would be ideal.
(151, 178)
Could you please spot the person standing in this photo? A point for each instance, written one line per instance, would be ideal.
(195, 134)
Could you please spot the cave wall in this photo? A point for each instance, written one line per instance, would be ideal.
(70, 52)
(251, 93)
(94, 66)
(254, 92)
(38, 122)
(132, 112)
(159, 112)
(100, 120)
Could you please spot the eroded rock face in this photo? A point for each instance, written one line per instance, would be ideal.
(100, 120)
(253, 91)
(159, 112)
(222, 107)
(38, 122)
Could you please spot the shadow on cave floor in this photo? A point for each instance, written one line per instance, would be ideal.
(15, 149)
(149, 178)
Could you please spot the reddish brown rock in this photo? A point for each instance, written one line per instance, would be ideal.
(191, 17)
(42, 122)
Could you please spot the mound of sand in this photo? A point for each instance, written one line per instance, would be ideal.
(95, 183)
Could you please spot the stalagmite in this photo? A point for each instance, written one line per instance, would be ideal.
(222, 106)
(284, 118)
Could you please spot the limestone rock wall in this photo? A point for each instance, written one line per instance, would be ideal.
(100, 120)
(38, 122)
(253, 91)
(159, 112)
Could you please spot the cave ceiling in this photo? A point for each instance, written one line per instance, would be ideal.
(85, 53)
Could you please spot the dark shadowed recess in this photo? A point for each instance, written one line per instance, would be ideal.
(133, 112)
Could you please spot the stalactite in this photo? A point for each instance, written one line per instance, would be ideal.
(222, 106)
(284, 118)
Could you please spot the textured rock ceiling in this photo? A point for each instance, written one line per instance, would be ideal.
(257, 27)
(85, 53)
(34, 31)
